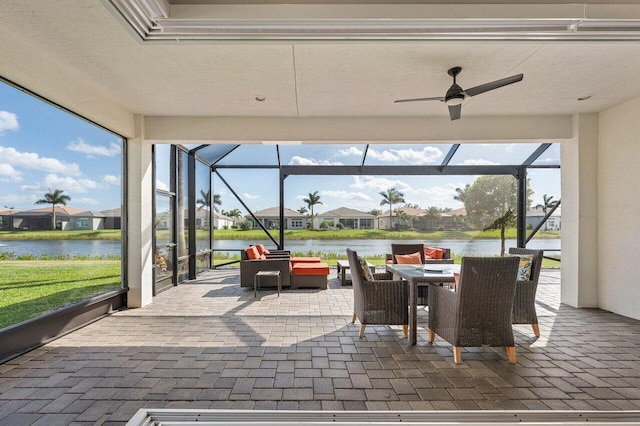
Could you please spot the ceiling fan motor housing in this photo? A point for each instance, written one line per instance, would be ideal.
(455, 95)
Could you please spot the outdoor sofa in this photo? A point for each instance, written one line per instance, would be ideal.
(295, 272)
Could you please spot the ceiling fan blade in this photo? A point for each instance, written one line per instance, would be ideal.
(438, 98)
(454, 111)
(493, 85)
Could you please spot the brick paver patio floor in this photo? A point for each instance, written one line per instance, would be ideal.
(211, 344)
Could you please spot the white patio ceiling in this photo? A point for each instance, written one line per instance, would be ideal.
(301, 78)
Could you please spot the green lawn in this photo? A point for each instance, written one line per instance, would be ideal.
(103, 234)
(258, 234)
(32, 288)
(349, 234)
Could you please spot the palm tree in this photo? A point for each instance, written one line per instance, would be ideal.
(433, 215)
(391, 196)
(233, 214)
(508, 220)
(302, 210)
(205, 201)
(462, 193)
(312, 200)
(547, 203)
(54, 198)
(217, 201)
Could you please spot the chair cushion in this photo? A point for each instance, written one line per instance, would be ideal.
(524, 267)
(253, 253)
(366, 271)
(409, 259)
(296, 260)
(433, 253)
(456, 278)
(261, 249)
(317, 268)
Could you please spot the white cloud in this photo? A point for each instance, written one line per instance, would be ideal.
(303, 161)
(35, 187)
(379, 183)
(92, 150)
(9, 174)
(32, 160)
(346, 195)
(71, 185)
(410, 156)
(8, 121)
(350, 151)
(85, 201)
(161, 185)
(545, 160)
(19, 200)
(478, 162)
(438, 196)
(111, 180)
(250, 196)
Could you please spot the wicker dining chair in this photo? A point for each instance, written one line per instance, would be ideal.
(524, 304)
(479, 312)
(400, 249)
(380, 301)
(423, 289)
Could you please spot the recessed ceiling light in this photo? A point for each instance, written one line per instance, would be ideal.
(260, 98)
(584, 98)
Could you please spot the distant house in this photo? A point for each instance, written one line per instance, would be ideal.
(40, 219)
(221, 221)
(418, 219)
(270, 219)
(535, 215)
(112, 218)
(67, 218)
(86, 220)
(202, 219)
(6, 218)
(349, 218)
(406, 218)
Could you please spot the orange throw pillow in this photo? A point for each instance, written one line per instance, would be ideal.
(433, 253)
(253, 253)
(261, 249)
(409, 259)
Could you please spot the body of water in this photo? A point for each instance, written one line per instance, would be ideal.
(62, 247)
(373, 247)
(363, 247)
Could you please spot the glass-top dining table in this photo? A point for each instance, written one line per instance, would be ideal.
(415, 274)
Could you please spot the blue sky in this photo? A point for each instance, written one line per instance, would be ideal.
(362, 192)
(42, 147)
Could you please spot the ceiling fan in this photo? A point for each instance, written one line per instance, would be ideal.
(456, 94)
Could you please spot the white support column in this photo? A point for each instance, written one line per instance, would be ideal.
(580, 214)
(619, 208)
(139, 219)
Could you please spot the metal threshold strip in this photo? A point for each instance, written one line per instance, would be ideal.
(185, 417)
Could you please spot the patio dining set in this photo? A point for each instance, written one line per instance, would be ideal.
(471, 304)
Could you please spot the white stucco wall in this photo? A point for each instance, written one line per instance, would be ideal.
(619, 209)
(579, 243)
(140, 250)
(46, 75)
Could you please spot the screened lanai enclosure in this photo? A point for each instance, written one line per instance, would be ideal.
(200, 189)
(57, 279)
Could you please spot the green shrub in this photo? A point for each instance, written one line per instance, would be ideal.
(246, 225)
